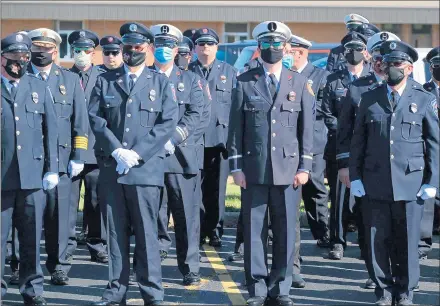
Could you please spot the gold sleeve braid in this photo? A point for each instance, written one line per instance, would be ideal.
(80, 142)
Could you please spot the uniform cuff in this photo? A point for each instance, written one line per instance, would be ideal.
(235, 162)
(180, 134)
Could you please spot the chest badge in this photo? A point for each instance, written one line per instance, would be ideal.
(413, 108)
(180, 87)
(152, 95)
(57, 73)
(35, 97)
(223, 79)
(291, 96)
(63, 89)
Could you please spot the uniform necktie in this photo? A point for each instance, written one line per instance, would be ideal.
(131, 81)
(43, 75)
(394, 99)
(84, 78)
(13, 87)
(205, 71)
(273, 84)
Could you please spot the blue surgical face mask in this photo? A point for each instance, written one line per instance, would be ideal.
(288, 61)
(163, 54)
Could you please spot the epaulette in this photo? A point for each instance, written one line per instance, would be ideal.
(427, 86)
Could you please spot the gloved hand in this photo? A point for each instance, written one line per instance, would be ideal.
(128, 158)
(427, 192)
(50, 180)
(169, 147)
(75, 167)
(357, 188)
(121, 169)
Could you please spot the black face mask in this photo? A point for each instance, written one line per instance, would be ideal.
(133, 58)
(436, 73)
(395, 75)
(41, 59)
(21, 71)
(272, 56)
(354, 58)
(181, 62)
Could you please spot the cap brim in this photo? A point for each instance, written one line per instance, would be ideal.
(397, 56)
(206, 38)
(354, 43)
(111, 47)
(16, 48)
(132, 40)
(83, 44)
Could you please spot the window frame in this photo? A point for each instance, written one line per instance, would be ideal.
(236, 34)
(69, 57)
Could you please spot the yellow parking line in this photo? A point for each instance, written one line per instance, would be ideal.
(229, 286)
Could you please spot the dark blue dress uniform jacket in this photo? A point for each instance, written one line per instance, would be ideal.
(221, 80)
(72, 117)
(270, 140)
(29, 133)
(350, 105)
(142, 119)
(394, 153)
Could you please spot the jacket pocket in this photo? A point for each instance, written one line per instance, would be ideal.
(149, 112)
(289, 113)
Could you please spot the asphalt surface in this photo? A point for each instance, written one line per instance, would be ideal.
(328, 282)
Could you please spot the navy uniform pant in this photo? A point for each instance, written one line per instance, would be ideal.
(13, 248)
(390, 225)
(426, 227)
(297, 259)
(214, 178)
(25, 209)
(92, 213)
(132, 209)
(56, 233)
(315, 197)
(279, 203)
(163, 221)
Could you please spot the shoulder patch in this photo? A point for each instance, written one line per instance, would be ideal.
(173, 90)
(434, 107)
(309, 88)
(208, 92)
(200, 84)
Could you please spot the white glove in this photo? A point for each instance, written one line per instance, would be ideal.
(121, 169)
(169, 147)
(75, 167)
(427, 192)
(50, 180)
(128, 158)
(357, 188)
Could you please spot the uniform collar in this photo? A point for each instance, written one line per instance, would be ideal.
(276, 73)
(166, 72)
(6, 81)
(435, 83)
(400, 90)
(300, 70)
(137, 73)
(378, 78)
(37, 72)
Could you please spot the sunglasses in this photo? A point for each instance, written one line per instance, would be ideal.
(351, 49)
(435, 66)
(108, 53)
(184, 54)
(16, 56)
(377, 58)
(203, 43)
(275, 44)
(166, 45)
(79, 50)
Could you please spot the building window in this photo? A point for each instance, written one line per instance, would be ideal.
(421, 35)
(64, 28)
(393, 28)
(236, 31)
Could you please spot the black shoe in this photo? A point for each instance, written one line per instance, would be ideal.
(163, 255)
(323, 242)
(69, 257)
(417, 288)
(100, 257)
(191, 279)
(132, 278)
(15, 278)
(103, 302)
(384, 301)
(202, 241)
(154, 303)
(282, 300)
(59, 278)
(404, 302)
(215, 241)
(298, 281)
(351, 228)
(422, 256)
(336, 252)
(256, 301)
(82, 238)
(436, 231)
(36, 301)
(236, 256)
(370, 284)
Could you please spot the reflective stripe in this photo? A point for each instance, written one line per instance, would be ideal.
(181, 132)
(307, 157)
(343, 155)
(236, 170)
(235, 157)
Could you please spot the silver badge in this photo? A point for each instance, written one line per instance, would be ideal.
(393, 46)
(310, 82)
(56, 72)
(384, 36)
(180, 87)
(133, 27)
(152, 95)
(35, 97)
(82, 34)
(413, 108)
(19, 38)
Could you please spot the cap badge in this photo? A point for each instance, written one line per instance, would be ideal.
(19, 38)
(434, 107)
(291, 96)
(272, 26)
(152, 95)
(205, 31)
(110, 39)
(365, 26)
(393, 46)
(164, 29)
(223, 79)
(352, 17)
(35, 97)
(62, 89)
(193, 31)
(384, 36)
(413, 108)
(133, 27)
(44, 33)
(180, 87)
(310, 82)
(371, 81)
(82, 34)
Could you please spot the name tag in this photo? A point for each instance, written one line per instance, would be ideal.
(109, 97)
(254, 98)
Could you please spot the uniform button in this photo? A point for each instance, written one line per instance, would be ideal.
(185, 144)
(273, 148)
(130, 100)
(18, 133)
(36, 112)
(291, 110)
(392, 156)
(66, 145)
(15, 105)
(124, 144)
(127, 130)
(18, 147)
(274, 108)
(392, 128)
(371, 121)
(108, 105)
(413, 122)
(151, 109)
(274, 121)
(17, 118)
(253, 109)
(181, 102)
(421, 168)
(394, 115)
(273, 135)
(248, 152)
(128, 115)
(391, 142)
(64, 101)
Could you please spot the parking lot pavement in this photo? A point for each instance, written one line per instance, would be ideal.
(328, 282)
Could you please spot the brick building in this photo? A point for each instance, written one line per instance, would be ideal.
(416, 22)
